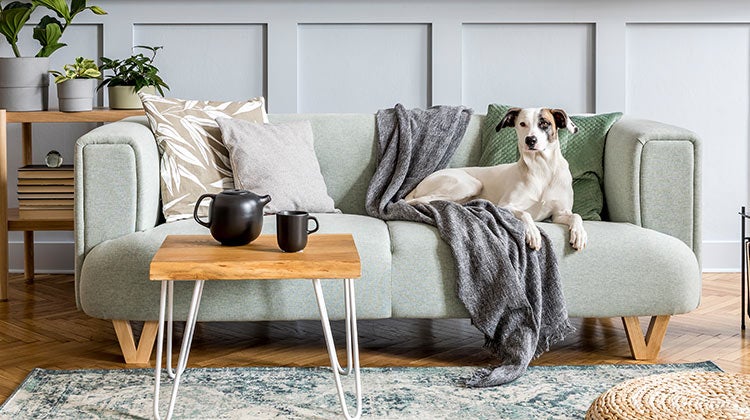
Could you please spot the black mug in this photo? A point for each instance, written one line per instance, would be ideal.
(292, 229)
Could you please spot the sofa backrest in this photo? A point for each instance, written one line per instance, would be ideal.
(346, 147)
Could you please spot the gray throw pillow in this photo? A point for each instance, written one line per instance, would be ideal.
(279, 160)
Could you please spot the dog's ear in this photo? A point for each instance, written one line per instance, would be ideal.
(563, 121)
(509, 120)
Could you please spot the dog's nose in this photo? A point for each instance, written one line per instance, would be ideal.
(530, 141)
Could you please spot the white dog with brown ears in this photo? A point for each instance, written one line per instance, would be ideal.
(535, 188)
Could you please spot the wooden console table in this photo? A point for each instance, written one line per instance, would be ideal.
(29, 221)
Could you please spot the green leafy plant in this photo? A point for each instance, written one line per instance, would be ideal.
(83, 68)
(137, 70)
(49, 30)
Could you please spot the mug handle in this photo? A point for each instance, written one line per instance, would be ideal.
(316, 224)
(195, 210)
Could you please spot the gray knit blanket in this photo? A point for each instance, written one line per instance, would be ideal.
(512, 293)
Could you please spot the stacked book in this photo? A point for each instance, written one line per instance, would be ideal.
(44, 188)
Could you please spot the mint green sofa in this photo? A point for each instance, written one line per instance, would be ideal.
(641, 262)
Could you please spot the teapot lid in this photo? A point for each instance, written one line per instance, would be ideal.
(263, 199)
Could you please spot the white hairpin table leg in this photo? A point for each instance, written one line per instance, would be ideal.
(159, 346)
(170, 323)
(187, 338)
(351, 344)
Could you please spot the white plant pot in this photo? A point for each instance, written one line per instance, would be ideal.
(24, 83)
(76, 95)
(124, 97)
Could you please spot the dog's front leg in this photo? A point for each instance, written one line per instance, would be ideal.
(578, 235)
(533, 236)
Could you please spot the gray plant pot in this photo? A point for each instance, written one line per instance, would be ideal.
(123, 97)
(76, 95)
(24, 83)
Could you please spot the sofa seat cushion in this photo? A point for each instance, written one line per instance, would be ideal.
(115, 285)
(612, 277)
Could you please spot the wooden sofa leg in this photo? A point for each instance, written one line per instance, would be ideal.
(645, 348)
(141, 354)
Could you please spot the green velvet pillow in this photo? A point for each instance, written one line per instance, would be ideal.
(584, 152)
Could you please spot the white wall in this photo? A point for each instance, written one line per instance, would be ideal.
(681, 62)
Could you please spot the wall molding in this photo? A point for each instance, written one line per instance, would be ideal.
(268, 62)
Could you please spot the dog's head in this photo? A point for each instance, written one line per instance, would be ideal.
(536, 128)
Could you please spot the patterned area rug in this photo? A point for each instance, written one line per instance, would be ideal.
(557, 392)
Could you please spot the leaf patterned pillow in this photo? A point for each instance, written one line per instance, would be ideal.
(194, 160)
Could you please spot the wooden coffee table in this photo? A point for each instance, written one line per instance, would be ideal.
(200, 258)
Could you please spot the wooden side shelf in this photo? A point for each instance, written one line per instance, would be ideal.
(33, 220)
(97, 115)
(40, 219)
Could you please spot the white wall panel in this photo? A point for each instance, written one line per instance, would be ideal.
(362, 67)
(686, 63)
(529, 65)
(208, 61)
(696, 76)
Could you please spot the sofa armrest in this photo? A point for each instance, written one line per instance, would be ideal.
(652, 178)
(116, 184)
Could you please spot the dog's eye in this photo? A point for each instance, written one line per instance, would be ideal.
(523, 124)
(544, 125)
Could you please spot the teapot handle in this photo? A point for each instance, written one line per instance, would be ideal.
(197, 206)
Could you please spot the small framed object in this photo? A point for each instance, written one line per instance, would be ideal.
(53, 159)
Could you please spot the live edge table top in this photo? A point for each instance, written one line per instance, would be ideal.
(200, 257)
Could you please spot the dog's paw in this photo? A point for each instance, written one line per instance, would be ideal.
(578, 237)
(533, 236)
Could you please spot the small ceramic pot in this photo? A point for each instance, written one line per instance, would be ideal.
(24, 83)
(76, 95)
(124, 97)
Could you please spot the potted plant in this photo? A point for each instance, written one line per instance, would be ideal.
(75, 85)
(132, 75)
(24, 81)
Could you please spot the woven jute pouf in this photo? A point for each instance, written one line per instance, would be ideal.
(685, 395)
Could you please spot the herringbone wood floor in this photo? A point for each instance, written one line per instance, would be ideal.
(40, 327)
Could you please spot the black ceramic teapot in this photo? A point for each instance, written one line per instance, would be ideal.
(235, 217)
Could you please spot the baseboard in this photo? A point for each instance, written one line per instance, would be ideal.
(43, 271)
(59, 256)
(54, 257)
(721, 256)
